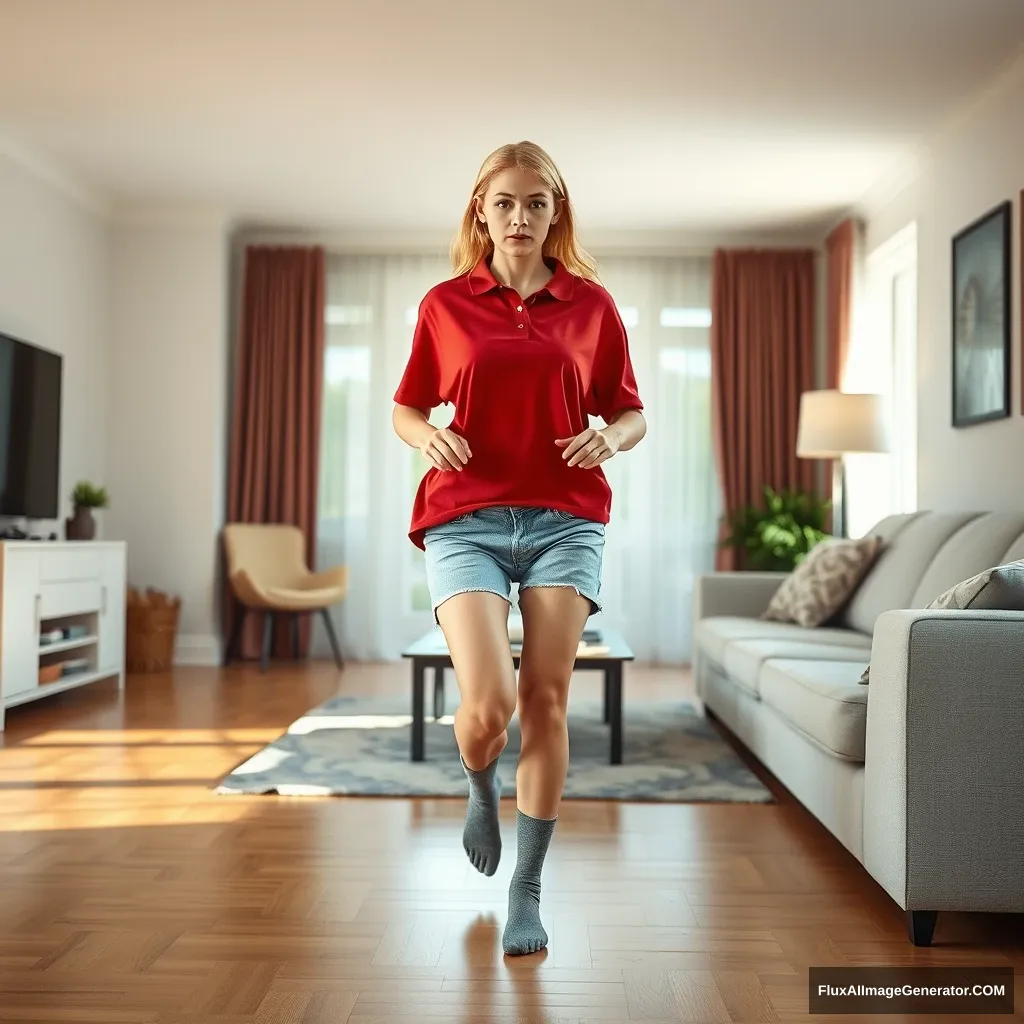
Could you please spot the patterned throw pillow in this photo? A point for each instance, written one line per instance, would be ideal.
(824, 581)
(1000, 588)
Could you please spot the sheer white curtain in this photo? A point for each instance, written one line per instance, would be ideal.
(665, 504)
(665, 499)
(368, 476)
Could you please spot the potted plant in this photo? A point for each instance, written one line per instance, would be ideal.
(778, 535)
(85, 497)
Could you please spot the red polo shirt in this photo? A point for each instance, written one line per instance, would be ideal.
(519, 374)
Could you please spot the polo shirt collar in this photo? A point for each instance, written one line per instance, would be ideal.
(482, 279)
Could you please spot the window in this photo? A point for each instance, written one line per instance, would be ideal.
(883, 359)
(345, 469)
(681, 316)
(347, 316)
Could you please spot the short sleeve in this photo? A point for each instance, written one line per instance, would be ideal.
(421, 381)
(613, 382)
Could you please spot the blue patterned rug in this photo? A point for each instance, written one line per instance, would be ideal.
(360, 746)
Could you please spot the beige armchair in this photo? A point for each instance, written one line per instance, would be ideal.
(267, 573)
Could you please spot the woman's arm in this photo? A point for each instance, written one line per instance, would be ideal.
(629, 427)
(412, 425)
(442, 448)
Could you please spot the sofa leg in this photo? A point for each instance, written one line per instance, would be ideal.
(921, 926)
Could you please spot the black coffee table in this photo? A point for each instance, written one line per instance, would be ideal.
(431, 651)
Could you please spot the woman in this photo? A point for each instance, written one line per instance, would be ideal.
(526, 344)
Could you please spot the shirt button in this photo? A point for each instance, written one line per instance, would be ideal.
(520, 326)
(519, 309)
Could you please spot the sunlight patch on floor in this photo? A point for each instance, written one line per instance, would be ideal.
(314, 723)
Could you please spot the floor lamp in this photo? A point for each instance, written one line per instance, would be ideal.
(837, 423)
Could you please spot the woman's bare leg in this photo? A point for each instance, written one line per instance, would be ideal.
(553, 622)
(475, 626)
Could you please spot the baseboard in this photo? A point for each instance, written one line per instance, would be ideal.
(197, 649)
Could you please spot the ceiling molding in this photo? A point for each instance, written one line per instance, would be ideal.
(46, 170)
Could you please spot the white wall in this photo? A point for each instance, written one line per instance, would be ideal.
(166, 426)
(976, 163)
(54, 276)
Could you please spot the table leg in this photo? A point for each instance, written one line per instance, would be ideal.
(613, 681)
(606, 697)
(438, 692)
(419, 682)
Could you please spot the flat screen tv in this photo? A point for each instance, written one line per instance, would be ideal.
(30, 410)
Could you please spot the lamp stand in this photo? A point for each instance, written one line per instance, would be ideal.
(838, 504)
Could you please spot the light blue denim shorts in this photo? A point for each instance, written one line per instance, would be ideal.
(491, 548)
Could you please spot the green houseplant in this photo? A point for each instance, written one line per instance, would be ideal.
(85, 497)
(777, 535)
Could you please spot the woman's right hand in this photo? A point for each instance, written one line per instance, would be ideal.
(445, 450)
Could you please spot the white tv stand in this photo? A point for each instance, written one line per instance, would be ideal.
(78, 586)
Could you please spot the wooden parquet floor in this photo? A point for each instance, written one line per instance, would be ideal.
(130, 894)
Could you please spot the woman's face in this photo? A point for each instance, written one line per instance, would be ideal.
(518, 210)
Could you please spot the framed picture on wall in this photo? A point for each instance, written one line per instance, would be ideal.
(982, 318)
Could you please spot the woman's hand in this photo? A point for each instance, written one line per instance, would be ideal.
(445, 450)
(590, 448)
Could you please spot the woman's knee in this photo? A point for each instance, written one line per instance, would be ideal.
(542, 708)
(487, 710)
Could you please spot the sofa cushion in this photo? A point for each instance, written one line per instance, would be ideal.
(975, 547)
(744, 659)
(822, 700)
(824, 581)
(1000, 587)
(1015, 552)
(713, 634)
(911, 541)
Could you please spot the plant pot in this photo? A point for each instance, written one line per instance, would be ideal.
(81, 526)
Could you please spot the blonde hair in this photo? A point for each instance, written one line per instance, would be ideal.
(473, 241)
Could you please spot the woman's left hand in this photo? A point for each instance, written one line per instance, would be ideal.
(590, 448)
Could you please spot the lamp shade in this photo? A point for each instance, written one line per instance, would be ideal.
(835, 423)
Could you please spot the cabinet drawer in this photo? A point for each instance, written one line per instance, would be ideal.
(64, 565)
(56, 599)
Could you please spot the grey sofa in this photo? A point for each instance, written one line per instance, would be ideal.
(920, 773)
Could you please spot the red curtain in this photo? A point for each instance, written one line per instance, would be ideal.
(275, 440)
(762, 359)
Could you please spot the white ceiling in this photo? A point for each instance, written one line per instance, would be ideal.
(694, 115)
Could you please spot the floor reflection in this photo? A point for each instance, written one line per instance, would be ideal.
(499, 984)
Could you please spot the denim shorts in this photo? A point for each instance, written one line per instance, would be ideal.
(491, 548)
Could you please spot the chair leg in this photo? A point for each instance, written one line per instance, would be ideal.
(235, 640)
(268, 638)
(295, 635)
(332, 636)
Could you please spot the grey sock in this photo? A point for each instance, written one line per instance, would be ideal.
(481, 838)
(524, 933)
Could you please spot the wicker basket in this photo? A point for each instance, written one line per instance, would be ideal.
(152, 629)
